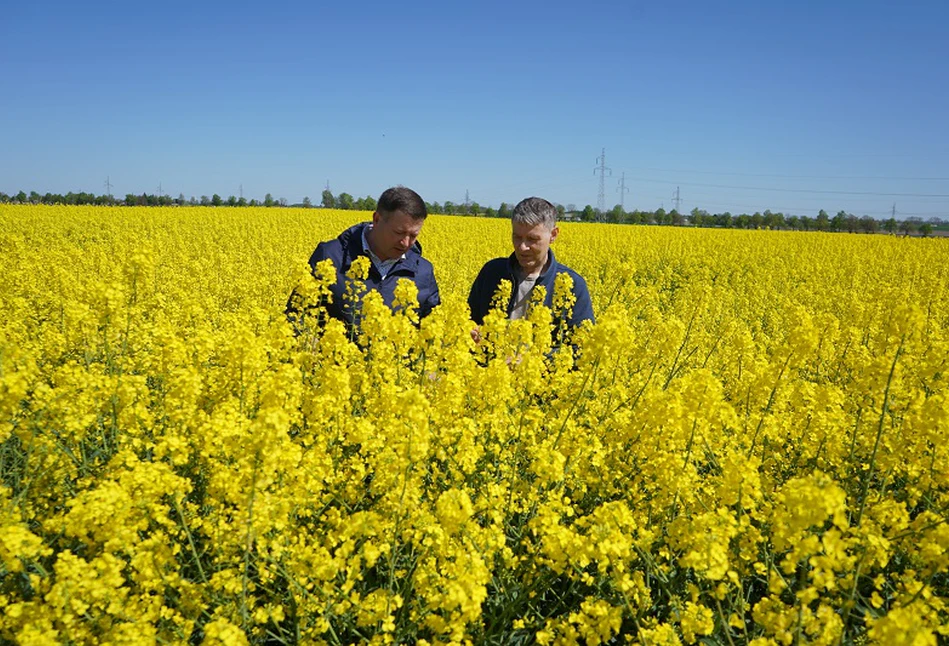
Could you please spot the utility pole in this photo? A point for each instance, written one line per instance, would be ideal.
(676, 199)
(108, 188)
(467, 202)
(601, 198)
(622, 191)
(894, 211)
(240, 190)
(159, 191)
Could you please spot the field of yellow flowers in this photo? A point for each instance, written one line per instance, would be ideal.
(750, 446)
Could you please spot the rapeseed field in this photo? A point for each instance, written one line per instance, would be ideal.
(749, 447)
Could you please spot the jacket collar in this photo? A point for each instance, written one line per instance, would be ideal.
(351, 241)
(549, 270)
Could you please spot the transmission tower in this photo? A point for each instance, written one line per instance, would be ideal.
(108, 187)
(622, 191)
(676, 199)
(894, 211)
(240, 190)
(601, 198)
(159, 190)
(467, 201)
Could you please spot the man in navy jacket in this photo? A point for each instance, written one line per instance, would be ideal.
(534, 227)
(389, 241)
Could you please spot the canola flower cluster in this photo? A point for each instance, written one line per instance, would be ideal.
(750, 446)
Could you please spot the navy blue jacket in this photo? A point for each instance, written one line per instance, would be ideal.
(344, 250)
(494, 271)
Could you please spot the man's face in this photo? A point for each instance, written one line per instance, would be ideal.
(531, 244)
(393, 233)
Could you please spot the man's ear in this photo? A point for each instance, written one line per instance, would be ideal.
(376, 218)
(554, 233)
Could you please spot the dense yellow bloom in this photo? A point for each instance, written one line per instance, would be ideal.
(750, 446)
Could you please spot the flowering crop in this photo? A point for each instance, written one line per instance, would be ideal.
(750, 446)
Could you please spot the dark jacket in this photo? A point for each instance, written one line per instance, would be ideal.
(344, 250)
(494, 271)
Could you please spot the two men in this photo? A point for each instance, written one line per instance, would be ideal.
(390, 243)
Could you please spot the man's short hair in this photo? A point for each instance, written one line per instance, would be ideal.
(400, 198)
(534, 211)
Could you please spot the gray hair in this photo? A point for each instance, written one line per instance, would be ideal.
(533, 211)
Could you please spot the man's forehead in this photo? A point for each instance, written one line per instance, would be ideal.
(523, 229)
(401, 220)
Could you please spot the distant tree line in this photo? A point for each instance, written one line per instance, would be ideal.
(841, 222)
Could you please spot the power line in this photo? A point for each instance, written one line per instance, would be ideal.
(601, 198)
(781, 176)
(794, 190)
(622, 192)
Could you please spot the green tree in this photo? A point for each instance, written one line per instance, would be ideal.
(490, 212)
(869, 225)
(345, 201)
(926, 229)
(822, 222)
(449, 207)
(329, 202)
(890, 225)
(20, 197)
(307, 204)
(695, 217)
(505, 210)
(853, 223)
(588, 214)
(231, 200)
(268, 200)
(216, 200)
(370, 203)
(839, 221)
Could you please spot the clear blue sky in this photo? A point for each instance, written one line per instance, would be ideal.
(745, 105)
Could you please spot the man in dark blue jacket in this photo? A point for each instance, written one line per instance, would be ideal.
(389, 241)
(534, 227)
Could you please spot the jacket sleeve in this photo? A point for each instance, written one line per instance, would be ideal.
(478, 299)
(583, 308)
(433, 299)
(292, 310)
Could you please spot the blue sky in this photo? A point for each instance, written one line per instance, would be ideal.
(792, 106)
